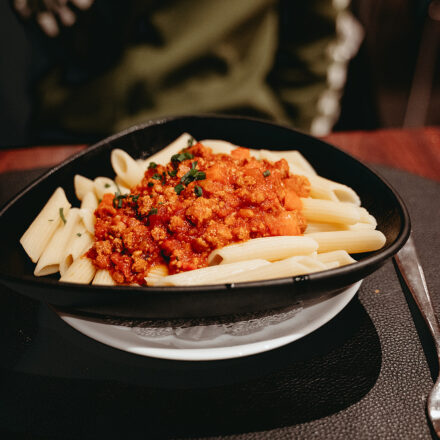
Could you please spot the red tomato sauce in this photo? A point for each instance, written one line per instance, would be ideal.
(198, 202)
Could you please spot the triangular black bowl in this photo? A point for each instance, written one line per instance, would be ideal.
(16, 270)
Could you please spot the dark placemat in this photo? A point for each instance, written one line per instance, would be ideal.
(365, 374)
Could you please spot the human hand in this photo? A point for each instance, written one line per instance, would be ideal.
(50, 14)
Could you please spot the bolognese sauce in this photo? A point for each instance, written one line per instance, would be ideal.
(198, 202)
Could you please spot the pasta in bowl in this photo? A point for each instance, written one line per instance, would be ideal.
(211, 227)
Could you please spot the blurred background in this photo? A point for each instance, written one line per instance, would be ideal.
(74, 71)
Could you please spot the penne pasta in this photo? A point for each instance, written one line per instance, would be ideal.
(103, 185)
(341, 193)
(328, 227)
(82, 186)
(88, 220)
(207, 275)
(280, 269)
(126, 168)
(50, 259)
(89, 201)
(103, 278)
(40, 232)
(267, 248)
(326, 211)
(341, 257)
(353, 242)
(163, 156)
(81, 271)
(79, 243)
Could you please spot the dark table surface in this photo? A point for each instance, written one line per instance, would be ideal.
(365, 374)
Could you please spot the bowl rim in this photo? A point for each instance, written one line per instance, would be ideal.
(359, 266)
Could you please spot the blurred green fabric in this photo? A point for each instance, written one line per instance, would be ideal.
(252, 57)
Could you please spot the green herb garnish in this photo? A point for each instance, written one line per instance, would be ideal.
(179, 188)
(172, 173)
(150, 184)
(152, 165)
(152, 211)
(157, 176)
(107, 185)
(180, 157)
(62, 215)
(198, 191)
(190, 142)
(266, 173)
(117, 200)
(50, 220)
(78, 234)
(193, 174)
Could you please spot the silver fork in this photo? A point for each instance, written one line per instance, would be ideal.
(412, 272)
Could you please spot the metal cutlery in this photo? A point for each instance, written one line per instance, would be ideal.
(412, 272)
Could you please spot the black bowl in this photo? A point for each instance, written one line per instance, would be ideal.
(16, 270)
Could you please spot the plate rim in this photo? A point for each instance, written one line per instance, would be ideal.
(216, 353)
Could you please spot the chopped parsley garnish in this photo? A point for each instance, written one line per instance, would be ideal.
(62, 215)
(150, 184)
(200, 175)
(198, 191)
(78, 234)
(50, 220)
(157, 176)
(172, 173)
(134, 198)
(190, 142)
(107, 185)
(152, 165)
(180, 157)
(152, 211)
(179, 188)
(192, 175)
(266, 173)
(117, 200)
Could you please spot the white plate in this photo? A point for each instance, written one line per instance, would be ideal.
(209, 340)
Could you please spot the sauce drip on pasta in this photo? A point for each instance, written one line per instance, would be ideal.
(198, 202)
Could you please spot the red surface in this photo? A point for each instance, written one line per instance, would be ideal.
(414, 150)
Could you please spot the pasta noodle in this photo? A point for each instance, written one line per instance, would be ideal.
(353, 242)
(330, 212)
(81, 271)
(103, 278)
(209, 275)
(39, 233)
(320, 222)
(50, 259)
(126, 168)
(268, 248)
(163, 156)
(82, 186)
(80, 242)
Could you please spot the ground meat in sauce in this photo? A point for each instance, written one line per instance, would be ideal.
(181, 212)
